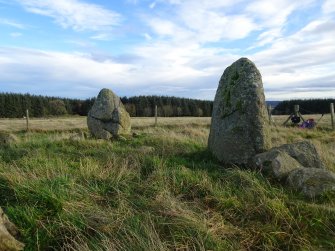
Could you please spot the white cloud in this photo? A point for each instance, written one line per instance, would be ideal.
(8, 22)
(15, 34)
(210, 26)
(272, 17)
(304, 59)
(74, 14)
(202, 21)
(152, 5)
(147, 36)
(65, 72)
(163, 27)
(271, 13)
(48, 69)
(102, 37)
(328, 6)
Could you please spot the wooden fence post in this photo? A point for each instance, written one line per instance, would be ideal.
(296, 110)
(332, 115)
(156, 114)
(270, 113)
(27, 119)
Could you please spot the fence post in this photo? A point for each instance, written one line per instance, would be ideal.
(332, 115)
(156, 113)
(270, 113)
(27, 119)
(296, 110)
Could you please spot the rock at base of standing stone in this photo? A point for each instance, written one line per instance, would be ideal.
(8, 233)
(108, 117)
(312, 182)
(304, 152)
(276, 164)
(240, 125)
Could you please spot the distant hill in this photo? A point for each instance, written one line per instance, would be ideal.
(273, 103)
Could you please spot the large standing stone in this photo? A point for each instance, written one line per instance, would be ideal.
(239, 128)
(108, 118)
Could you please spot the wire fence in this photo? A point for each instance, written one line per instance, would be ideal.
(298, 115)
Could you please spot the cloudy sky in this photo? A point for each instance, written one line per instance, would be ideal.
(73, 48)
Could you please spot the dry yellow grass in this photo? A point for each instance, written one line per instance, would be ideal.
(47, 124)
(76, 122)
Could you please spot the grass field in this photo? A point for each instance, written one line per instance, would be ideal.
(161, 190)
(77, 122)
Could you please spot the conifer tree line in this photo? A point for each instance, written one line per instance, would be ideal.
(15, 105)
(307, 106)
(144, 106)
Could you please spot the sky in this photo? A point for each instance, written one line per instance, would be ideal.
(74, 48)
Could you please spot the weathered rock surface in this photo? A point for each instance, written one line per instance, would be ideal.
(304, 152)
(239, 127)
(7, 139)
(276, 164)
(312, 182)
(108, 118)
(8, 233)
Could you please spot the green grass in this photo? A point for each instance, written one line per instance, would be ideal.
(97, 195)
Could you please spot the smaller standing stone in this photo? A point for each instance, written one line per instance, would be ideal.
(108, 117)
(240, 124)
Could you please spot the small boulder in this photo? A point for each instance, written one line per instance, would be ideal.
(312, 182)
(8, 233)
(7, 139)
(304, 152)
(108, 117)
(276, 164)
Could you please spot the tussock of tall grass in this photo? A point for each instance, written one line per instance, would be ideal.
(96, 195)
